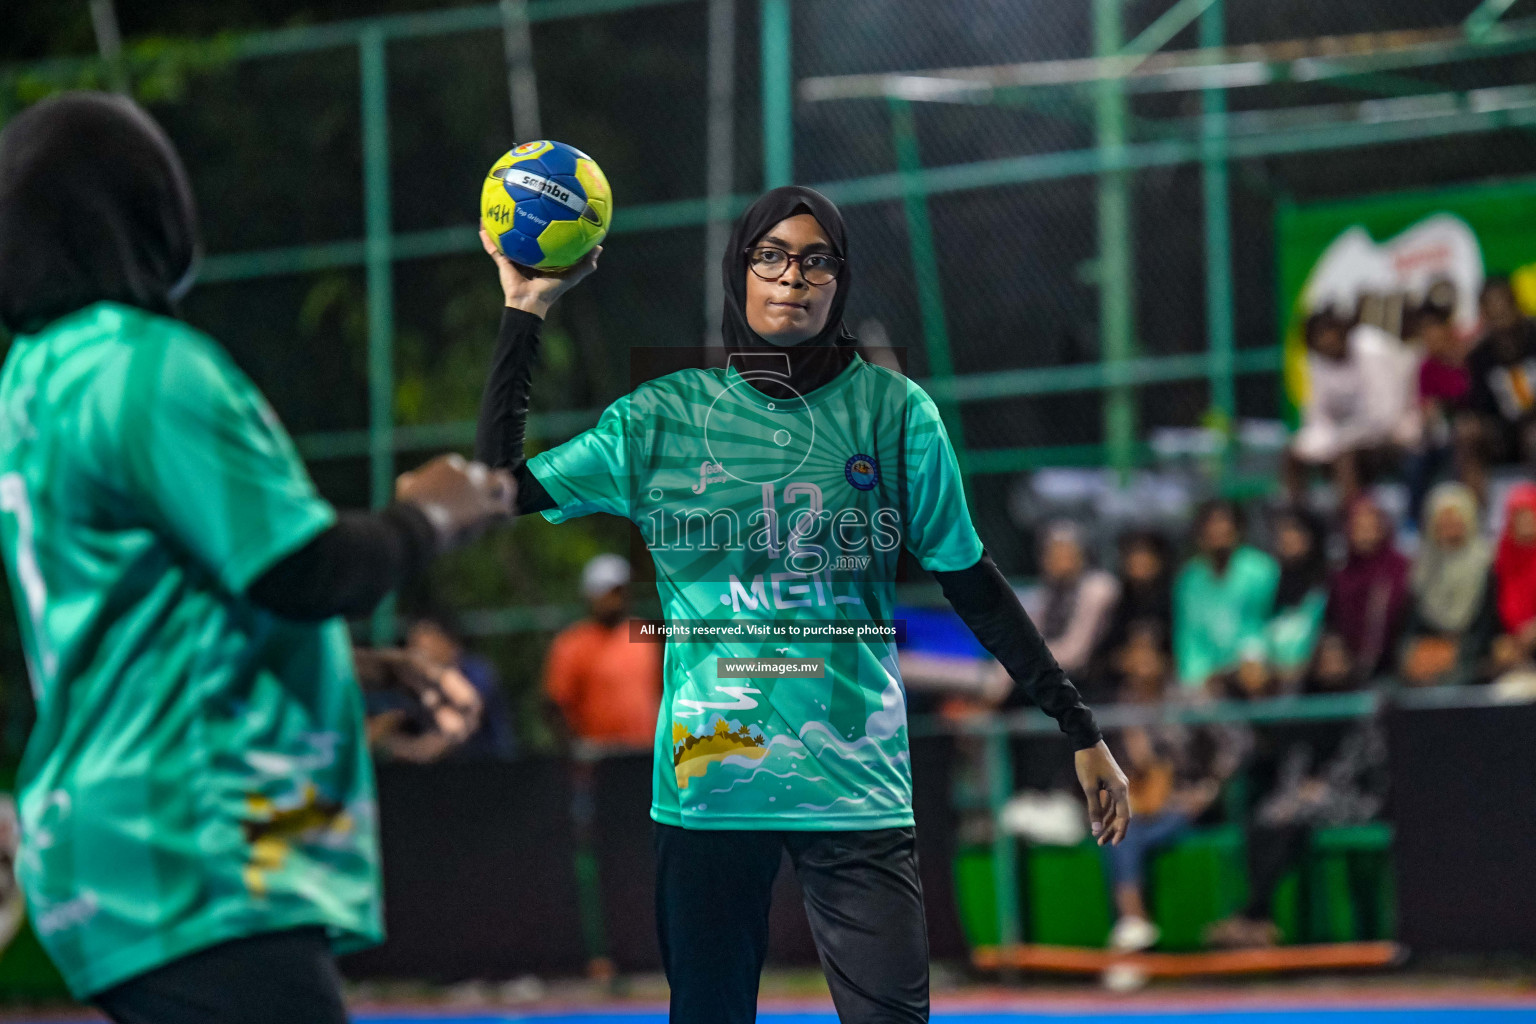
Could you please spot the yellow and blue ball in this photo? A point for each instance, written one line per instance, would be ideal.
(546, 205)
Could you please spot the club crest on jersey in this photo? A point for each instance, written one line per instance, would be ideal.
(862, 471)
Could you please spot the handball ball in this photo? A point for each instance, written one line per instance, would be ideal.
(546, 205)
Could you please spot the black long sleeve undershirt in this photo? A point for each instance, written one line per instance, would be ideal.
(349, 568)
(989, 606)
(503, 420)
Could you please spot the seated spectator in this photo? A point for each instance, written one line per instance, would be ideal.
(436, 639)
(607, 688)
(1368, 596)
(1442, 392)
(1301, 548)
(1146, 596)
(1444, 639)
(1176, 774)
(1072, 604)
(1222, 598)
(1319, 775)
(1358, 408)
(1499, 426)
(1514, 570)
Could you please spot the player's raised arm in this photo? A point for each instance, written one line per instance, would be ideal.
(528, 296)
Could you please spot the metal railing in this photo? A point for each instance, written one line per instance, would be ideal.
(1118, 67)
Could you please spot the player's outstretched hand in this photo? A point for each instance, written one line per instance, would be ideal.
(534, 291)
(449, 701)
(461, 499)
(1109, 798)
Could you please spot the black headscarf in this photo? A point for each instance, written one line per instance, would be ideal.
(1300, 576)
(94, 206)
(816, 360)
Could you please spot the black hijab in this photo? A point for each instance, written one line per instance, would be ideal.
(1299, 577)
(816, 360)
(94, 206)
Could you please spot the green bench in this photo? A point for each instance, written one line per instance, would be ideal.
(1343, 892)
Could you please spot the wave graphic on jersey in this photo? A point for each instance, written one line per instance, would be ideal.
(790, 772)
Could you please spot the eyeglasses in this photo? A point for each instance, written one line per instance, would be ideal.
(818, 268)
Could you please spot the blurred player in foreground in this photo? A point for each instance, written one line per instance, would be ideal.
(744, 482)
(197, 802)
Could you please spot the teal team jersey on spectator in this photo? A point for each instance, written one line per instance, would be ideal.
(1220, 620)
(789, 511)
(197, 771)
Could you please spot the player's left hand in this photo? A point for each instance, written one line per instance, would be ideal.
(535, 291)
(450, 701)
(1109, 797)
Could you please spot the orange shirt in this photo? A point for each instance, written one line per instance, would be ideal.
(608, 688)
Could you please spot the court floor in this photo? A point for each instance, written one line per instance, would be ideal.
(1504, 1011)
(1231, 1007)
(977, 1015)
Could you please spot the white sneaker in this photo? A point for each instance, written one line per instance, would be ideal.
(1133, 934)
(1123, 979)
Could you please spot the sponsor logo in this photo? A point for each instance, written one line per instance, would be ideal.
(709, 473)
(525, 179)
(527, 214)
(515, 177)
(862, 471)
(69, 914)
(528, 147)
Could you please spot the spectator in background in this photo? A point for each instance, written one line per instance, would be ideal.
(1301, 548)
(1358, 407)
(1320, 775)
(1499, 426)
(1222, 598)
(1176, 774)
(1146, 596)
(607, 688)
(1514, 570)
(1442, 391)
(1145, 575)
(1450, 591)
(1368, 596)
(1072, 605)
(435, 638)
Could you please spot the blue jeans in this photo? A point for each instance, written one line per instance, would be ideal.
(1127, 862)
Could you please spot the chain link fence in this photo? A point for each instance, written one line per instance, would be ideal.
(975, 221)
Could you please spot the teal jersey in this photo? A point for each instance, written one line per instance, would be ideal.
(784, 513)
(1220, 620)
(1292, 633)
(197, 771)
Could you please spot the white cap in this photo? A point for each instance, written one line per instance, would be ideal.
(602, 574)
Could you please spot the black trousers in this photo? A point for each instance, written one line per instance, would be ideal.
(276, 978)
(1272, 851)
(862, 896)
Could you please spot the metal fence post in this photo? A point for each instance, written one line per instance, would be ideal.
(1219, 298)
(720, 147)
(778, 84)
(1117, 297)
(381, 307)
(925, 268)
(522, 86)
(1005, 854)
